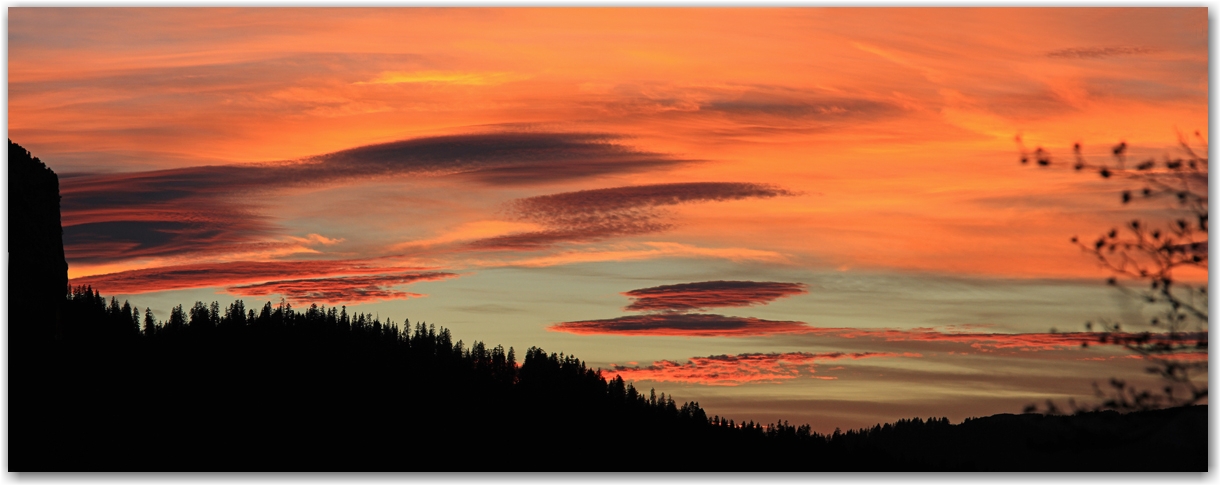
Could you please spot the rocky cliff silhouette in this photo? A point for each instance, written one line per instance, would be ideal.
(38, 270)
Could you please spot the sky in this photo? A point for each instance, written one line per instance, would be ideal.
(806, 214)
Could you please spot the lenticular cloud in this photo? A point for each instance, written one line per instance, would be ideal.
(120, 216)
(669, 311)
(681, 325)
(711, 294)
(590, 215)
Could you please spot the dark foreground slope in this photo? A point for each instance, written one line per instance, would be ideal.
(294, 391)
(92, 386)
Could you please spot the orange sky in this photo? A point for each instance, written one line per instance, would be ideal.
(542, 162)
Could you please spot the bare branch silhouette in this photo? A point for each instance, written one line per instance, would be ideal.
(1145, 255)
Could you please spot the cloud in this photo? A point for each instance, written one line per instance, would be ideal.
(218, 100)
(351, 289)
(538, 240)
(681, 325)
(733, 109)
(1178, 356)
(992, 342)
(708, 294)
(803, 107)
(590, 215)
(468, 231)
(492, 158)
(634, 251)
(507, 158)
(209, 79)
(1098, 52)
(733, 370)
(160, 213)
(317, 238)
(979, 341)
(671, 302)
(594, 206)
(224, 274)
(675, 324)
(669, 306)
(445, 77)
(111, 240)
(110, 217)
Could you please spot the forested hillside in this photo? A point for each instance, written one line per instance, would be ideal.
(105, 386)
(234, 388)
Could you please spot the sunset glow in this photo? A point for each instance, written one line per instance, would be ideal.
(810, 214)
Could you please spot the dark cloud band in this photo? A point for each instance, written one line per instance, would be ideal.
(225, 274)
(710, 294)
(172, 212)
(352, 289)
(590, 215)
(682, 325)
(595, 206)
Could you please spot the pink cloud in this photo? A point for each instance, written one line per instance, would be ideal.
(207, 275)
(334, 291)
(733, 370)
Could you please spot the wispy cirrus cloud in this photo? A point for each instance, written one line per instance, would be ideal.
(207, 275)
(976, 340)
(445, 77)
(992, 342)
(709, 294)
(590, 215)
(1098, 52)
(733, 370)
(740, 109)
(349, 289)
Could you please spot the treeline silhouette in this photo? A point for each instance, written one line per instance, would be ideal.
(95, 385)
(275, 388)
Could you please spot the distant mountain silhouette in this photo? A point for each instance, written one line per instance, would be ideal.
(276, 388)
